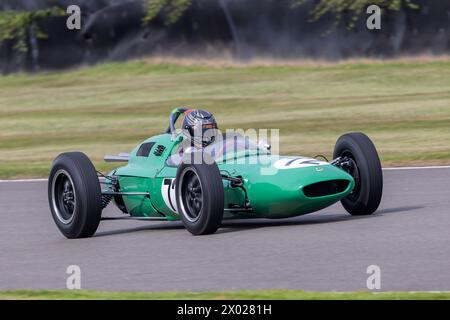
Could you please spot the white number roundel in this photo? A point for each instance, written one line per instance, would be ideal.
(297, 162)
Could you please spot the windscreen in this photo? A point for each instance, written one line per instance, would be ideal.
(232, 145)
(226, 146)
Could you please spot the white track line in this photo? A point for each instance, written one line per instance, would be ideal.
(417, 168)
(384, 169)
(23, 180)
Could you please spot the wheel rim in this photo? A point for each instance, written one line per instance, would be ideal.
(191, 194)
(64, 199)
(353, 170)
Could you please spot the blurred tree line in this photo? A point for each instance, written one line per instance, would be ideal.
(16, 26)
(345, 11)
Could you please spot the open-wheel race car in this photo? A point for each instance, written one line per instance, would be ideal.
(201, 179)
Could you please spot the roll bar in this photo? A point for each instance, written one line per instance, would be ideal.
(174, 115)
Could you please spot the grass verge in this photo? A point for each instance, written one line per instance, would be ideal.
(403, 106)
(231, 295)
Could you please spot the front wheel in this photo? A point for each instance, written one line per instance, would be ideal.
(74, 195)
(200, 196)
(357, 155)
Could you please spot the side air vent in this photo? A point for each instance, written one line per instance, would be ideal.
(145, 149)
(325, 188)
(159, 150)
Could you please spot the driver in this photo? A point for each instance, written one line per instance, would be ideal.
(199, 127)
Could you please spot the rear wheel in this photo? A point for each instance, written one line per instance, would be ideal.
(74, 195)
(360, 159)
(200, 197)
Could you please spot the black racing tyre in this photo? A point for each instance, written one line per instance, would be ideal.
(366, 171)
(74, 195)
(200, 196)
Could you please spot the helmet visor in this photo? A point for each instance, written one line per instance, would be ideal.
(204, 134)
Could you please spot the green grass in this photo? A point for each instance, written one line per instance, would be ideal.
(403, 106)
(230, 295)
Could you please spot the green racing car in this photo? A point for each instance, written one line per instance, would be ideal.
(201, 177)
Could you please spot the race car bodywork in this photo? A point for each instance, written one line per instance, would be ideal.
(289, 191)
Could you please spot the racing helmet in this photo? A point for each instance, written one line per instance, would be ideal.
(199, 126)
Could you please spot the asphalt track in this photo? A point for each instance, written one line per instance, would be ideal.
(409, 239)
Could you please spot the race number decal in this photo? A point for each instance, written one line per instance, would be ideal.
(298, 162)
(168, 194)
